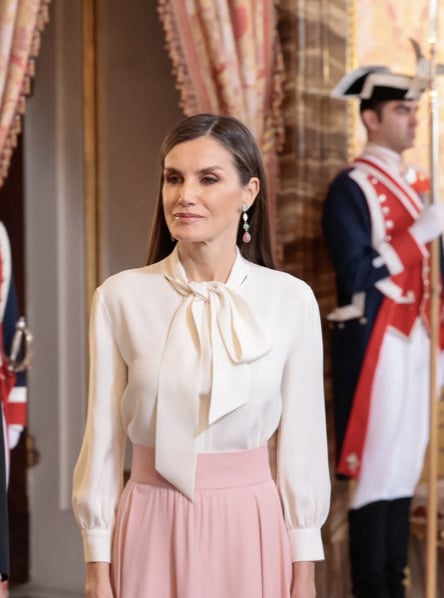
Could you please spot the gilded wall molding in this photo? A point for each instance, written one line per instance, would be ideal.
(352, 63)
(91, 147)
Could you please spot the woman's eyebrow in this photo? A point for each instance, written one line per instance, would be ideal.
(210, 168)
(200, 171)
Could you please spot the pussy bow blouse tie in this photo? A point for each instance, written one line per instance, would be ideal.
(213, 328)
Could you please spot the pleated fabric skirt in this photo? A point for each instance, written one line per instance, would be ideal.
(231, 542)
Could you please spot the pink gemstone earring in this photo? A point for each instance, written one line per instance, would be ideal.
(246, 237)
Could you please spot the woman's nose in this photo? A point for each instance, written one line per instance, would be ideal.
(187, 193)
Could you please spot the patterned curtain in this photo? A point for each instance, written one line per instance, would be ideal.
(21, 22)
(227, 59)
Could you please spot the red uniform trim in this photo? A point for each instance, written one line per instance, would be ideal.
(15, 413)
(408, 250)
(410, 191)
(354, 440)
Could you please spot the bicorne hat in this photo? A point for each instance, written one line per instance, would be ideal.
(377, 84)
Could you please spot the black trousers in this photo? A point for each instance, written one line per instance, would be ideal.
(379, 538)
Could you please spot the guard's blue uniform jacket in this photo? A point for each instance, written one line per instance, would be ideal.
(381, 280)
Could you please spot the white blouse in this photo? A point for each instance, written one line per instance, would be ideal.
(218, 367)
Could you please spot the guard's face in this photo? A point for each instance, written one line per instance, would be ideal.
(396, 126)
(202, 193)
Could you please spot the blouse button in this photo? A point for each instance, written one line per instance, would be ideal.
(382, 198)
(389, 224)
(363, 320)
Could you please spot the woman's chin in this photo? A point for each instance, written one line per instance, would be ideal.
(188, 239)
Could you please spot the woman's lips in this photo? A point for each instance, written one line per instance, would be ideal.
(186, 216)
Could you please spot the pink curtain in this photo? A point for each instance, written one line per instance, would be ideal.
(227, 59)
(21, 22)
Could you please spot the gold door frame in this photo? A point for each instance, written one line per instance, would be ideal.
(91, 148)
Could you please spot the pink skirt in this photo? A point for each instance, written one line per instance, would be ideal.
(231, 542)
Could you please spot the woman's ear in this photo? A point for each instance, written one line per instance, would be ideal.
(252, 189)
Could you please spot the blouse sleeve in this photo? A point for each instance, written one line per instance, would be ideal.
(98, 475)
(302, 456)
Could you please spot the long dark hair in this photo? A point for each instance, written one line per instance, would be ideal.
(239, 141)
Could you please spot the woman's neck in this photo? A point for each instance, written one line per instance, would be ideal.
(203, 263)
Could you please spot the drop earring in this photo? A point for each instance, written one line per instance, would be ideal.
(246, 237)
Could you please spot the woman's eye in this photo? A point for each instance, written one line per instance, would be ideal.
(209, 180)
(173, 179)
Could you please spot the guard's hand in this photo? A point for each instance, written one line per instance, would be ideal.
(429, 225)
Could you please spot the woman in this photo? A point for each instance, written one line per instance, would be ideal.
(199, 358)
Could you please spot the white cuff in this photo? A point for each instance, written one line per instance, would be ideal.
(97, 545)
(390, 257)
(306, 544)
